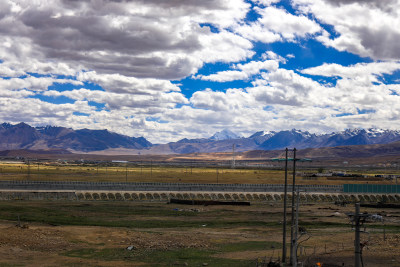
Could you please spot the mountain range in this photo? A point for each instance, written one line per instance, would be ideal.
(280, 140)
(24, 136)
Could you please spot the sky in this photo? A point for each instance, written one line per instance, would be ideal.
(174, 69)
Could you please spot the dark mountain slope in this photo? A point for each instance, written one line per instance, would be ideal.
(17, 136)
(23, 136)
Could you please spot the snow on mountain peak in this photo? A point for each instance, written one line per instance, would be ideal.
(224, 135)
(371, 132)
(304, 134)
(374, 132)
(264, 133)
(352, 132)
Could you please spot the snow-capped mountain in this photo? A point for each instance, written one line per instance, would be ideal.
(261, 136)
(224, 135)
(23, 136)
(300, 139)
(269, 140)
(286, 139)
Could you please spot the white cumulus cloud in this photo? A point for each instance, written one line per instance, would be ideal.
(367, 28)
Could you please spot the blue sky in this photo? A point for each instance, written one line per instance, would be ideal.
(168, 70)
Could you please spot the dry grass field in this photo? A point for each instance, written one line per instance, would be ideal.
(99, 233)
(144, 173)
(167, 174)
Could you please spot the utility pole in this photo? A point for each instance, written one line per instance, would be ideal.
(357, 249)
(292, 251)
(126, 172)
(293, 234)
(29, 169)
(233, 156)
(284, 209)
(358, 219)
(296, 229)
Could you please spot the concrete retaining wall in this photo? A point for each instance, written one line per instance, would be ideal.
(36, 190)
(163, 196)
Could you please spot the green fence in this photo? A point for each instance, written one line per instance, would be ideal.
(371, 188)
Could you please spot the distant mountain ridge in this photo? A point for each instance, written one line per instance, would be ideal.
(304, 139)
(23, 136)
(270, 140)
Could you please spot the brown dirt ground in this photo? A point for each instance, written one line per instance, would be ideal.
(44, 245)
(41, 245)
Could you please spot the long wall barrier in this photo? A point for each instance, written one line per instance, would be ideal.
(164, 196)
(371, 188)
(109, 186)
(32, 190)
